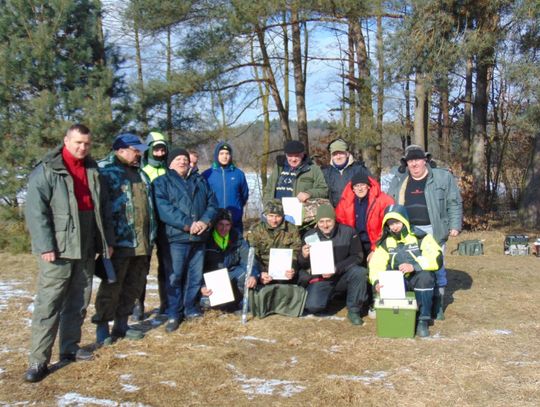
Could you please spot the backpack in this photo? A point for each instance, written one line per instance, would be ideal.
(470, 248)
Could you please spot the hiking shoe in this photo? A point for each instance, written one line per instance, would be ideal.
(372, 313)
(172, 325)
(36, 372)
(422, 329)
(81, 355)
(355, 318)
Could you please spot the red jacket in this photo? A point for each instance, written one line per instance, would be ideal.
(377, 203)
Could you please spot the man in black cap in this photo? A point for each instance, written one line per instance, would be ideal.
(295, 175)
(341, 169)
(433, 202)
(187, 207)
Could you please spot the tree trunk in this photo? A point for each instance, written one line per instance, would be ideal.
(351, 86)
(529, 208)
(299, 80)
(274, 90)
(408, 121)
(140, 78)
(420, 111)
(380, 95)
(445, 124)
(467, 118)
(285, 62)
(169, 124)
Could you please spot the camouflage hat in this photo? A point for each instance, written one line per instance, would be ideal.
(274, 206)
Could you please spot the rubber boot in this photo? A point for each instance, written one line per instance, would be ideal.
(424, 298)
(138, 311)
(438, 303)
(102, 333)
(121, 329)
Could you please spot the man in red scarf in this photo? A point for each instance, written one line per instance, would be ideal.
(65, 211)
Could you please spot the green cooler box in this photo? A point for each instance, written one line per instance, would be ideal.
(396, 318)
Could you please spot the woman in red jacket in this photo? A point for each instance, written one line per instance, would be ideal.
(361, 207)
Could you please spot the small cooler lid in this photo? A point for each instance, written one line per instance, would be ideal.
(405, 303)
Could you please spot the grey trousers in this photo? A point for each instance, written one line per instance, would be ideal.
(64, 288)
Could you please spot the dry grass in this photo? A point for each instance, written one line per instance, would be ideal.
(486, 353)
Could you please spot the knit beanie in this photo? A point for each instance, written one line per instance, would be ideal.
(325, 211)
(361, 177)
(175, 152)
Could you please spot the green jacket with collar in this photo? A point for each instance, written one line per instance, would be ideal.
(52, 214)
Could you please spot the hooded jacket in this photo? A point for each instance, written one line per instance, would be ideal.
(310, 179)
(378, 201)
(337, 180)
(229, 185)
(52, 214)
(411, 246)
(152, 167)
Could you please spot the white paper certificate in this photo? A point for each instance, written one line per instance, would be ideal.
(292, 208)
(321, 257)
(280, 262)
(218, 281)
(393, 286)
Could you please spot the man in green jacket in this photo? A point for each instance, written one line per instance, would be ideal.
(295, 175)
(434, 204)
(65, 207)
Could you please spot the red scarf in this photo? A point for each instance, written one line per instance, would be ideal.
(77, 171)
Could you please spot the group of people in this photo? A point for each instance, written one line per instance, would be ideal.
(150, 193)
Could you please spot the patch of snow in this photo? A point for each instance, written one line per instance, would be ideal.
(152, 286)
(76, 399)
(523, 363)
(28, 321)
(169, 383)
(254, 386)
(2, 370)
(9, 290)
(126, 386)
(254, 338)
(126, 355)
(502, 332)
(324, 317)
(369, 377)
(333, 349)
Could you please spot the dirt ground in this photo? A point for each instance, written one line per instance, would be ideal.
(486, 352)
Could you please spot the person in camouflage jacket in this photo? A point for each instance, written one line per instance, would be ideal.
(275, 297)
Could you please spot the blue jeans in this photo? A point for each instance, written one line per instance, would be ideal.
(184, 280)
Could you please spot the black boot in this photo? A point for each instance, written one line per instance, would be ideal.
(424, 299)
(438, 304)
(36, 372)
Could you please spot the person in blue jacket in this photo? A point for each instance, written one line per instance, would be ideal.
(187, 206)
(228, 183)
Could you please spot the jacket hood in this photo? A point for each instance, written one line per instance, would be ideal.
(397, 212)
(152, 140)
(219, 146)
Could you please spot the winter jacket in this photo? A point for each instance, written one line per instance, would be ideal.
(412, 246)
(180, 202)
(310, 179)
(336, 179)
(443, 200)
(235, 254)
(347, 250)
(230, 187)
(119, 187)
(52, 213)
(377, 203)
